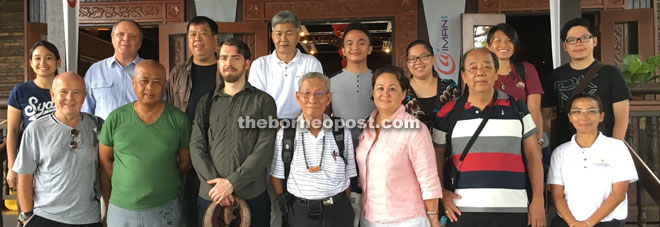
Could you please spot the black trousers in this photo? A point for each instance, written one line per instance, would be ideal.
(189, 199)
(339, 214)
(37, 221)
(478, 219)
(259, 210)
(559, 222)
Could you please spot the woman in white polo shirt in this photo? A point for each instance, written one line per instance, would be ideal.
(589, 175)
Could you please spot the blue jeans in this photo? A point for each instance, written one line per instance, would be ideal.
(168, 214)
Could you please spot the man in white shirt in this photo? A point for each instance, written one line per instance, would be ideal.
(278, 73)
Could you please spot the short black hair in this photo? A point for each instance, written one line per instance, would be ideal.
(203, 20)
(356, 26)
(496, 63)
(585, 95)
(510, 32)
(577, 22)
(404, 80)
(49, 46)
(243, 49)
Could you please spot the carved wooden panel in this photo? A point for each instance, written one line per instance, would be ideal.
(250, 40)
(178, 47)
(615, 4)
(620, 43)
(174, 12)
(614, 39)
(592, 3)
(140, 11)
(332, 9)
(253, 11)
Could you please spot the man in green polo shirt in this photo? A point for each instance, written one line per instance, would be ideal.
(144, 151)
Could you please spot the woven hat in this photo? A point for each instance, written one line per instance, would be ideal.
(237, 215)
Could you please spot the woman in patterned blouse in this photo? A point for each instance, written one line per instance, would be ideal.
(427, 92)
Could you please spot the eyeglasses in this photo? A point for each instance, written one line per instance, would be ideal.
(582, 39)
(316, 95)
(588, 112)
(484, 67)
(74, 145)
(421, 57)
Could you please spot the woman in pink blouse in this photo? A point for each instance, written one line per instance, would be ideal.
(396, 160)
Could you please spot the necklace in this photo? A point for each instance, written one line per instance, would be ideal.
(312, 169)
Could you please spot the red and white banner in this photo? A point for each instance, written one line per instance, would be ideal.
(443, 22)
(70, 15)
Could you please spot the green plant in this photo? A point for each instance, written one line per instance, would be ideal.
(637, 71)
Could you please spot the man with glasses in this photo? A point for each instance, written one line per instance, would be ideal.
(57, 163)
(351, 88)
(500, 158)
(228, 149)
(318, 173)
(144, 150)
(579, 40)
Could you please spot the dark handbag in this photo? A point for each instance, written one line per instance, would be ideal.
(451, 172)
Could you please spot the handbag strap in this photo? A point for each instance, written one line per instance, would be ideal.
(487, 114)
(587, 77)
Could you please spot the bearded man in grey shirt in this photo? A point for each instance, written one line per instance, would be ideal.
(57, 162)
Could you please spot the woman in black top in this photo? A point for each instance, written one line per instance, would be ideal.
(427, 92)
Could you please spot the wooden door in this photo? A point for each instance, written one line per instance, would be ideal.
(618, 36)
(474, 28)
(173, 47)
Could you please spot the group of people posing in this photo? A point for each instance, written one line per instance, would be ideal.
(161, 149)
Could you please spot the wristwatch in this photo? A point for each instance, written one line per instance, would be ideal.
(540, 140)
(24, 216)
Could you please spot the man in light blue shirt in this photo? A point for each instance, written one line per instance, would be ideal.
(108, 81)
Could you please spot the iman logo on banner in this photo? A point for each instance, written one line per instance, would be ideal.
(443, 22)
(71, 3)
(445, 63)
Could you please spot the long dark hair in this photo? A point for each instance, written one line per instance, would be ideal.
(49, 46)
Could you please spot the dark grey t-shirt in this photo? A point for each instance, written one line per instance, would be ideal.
(351, 97)
(66, 186)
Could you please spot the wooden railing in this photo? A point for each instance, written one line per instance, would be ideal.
(643, 137)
